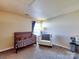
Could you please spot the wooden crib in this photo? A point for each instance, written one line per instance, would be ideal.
(23, 39)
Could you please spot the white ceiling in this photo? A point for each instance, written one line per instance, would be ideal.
(16, 6)
(53, 8)
(40, 8)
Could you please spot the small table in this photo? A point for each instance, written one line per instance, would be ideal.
(75, 46)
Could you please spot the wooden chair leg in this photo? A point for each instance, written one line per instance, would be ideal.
(16, 50)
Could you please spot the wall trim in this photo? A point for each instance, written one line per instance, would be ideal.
(6, 49)
(62, 46)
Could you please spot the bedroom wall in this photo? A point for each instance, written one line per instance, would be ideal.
(62, 28)
(10, 23)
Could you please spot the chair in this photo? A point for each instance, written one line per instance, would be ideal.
(45, 39)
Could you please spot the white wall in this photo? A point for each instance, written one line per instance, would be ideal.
(62, 28)
(10, 23)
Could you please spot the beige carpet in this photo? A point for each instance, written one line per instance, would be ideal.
(36, 52)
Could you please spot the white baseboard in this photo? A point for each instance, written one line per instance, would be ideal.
(6, 49)
(67, 47)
